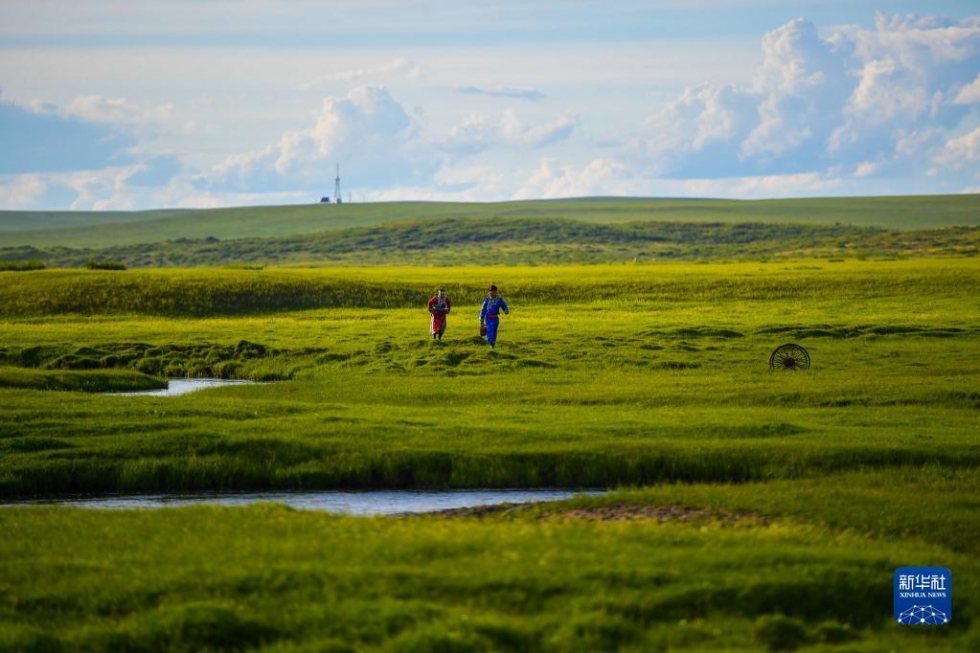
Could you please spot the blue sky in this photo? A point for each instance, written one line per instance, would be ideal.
(128, 104)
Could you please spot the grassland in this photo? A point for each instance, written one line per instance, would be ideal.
(513, 233)
(269, 578)
(754, 509)
(108, 229)
(516, 241)
(804, 490)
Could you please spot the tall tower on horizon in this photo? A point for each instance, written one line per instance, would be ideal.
(336, 188)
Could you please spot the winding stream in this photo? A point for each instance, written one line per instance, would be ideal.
(377, 502)
(176, 387)
(380, 502)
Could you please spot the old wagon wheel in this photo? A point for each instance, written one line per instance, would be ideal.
(789, 357)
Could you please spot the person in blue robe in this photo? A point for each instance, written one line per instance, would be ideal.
(493, 306)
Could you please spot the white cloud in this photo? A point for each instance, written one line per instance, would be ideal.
(554, 180)
(479, 132)
(866, 169)
(181, 193)
(848, 97)
(368, 128)
(400, 68)
(478, 182)
(970, 93)
(41, 138)
(753, 187)
(543, 135)
(103, 190)
(21, 191)
(475, 134)
(893, 107)
(512, 129)
(119, 112)
(961, 151)
(700, 116)
(800, 86)
(515, 92)
(885, 92)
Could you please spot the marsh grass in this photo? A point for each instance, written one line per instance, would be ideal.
(625, 376)
(651, 377)
(21, 266)
(271, 578)
(79, 381)
(201, 360)
(203, 293)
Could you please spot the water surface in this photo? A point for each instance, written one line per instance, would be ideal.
(177, 387)
(380, 502)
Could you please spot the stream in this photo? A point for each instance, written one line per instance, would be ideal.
(377, 502)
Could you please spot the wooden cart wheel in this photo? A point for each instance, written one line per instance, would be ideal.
(789, 357)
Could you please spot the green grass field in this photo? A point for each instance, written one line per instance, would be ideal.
(757, 510)
(106, 229)
(750, 509)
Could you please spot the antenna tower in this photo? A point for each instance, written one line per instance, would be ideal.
(336, 187)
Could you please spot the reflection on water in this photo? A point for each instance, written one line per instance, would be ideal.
(177, 387)
(386, 502)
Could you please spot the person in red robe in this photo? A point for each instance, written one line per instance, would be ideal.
(439, 307)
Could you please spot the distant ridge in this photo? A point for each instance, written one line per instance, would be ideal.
(108, 229)
(517, 241)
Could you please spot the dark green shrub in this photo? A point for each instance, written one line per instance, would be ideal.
(29, 640)
(92, 264)
(779, 633)
(225, 370)
(153, 366)
(174, 370)
(37, 356)
(74, 362)
(831, 632)
(196, 627)
(595, 632)
(246, 349)
(21, 266)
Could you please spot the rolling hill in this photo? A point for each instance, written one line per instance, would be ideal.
(535, 232)
(107, 229)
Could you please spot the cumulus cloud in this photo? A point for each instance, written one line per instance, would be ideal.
(103, 190)
(21, 191)
(554, 180)
(118, 188)
(553, 132)
(970, 93)
(884, 101)
(829, 110)
(550, 179)
(124, 187)
(117, 111)
(156, 170)
(866, 169)
(65, 152)
(475, 134)
(42, 139)
(368, 128)
(799, 88)
(479, 132)
(452, 183)
(961, 151)
(696, 132)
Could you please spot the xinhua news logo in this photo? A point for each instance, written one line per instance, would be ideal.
(923, 596)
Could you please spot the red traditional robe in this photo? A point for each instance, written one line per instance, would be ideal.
(438, 309)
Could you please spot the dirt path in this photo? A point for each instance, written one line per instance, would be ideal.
(616, 512)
